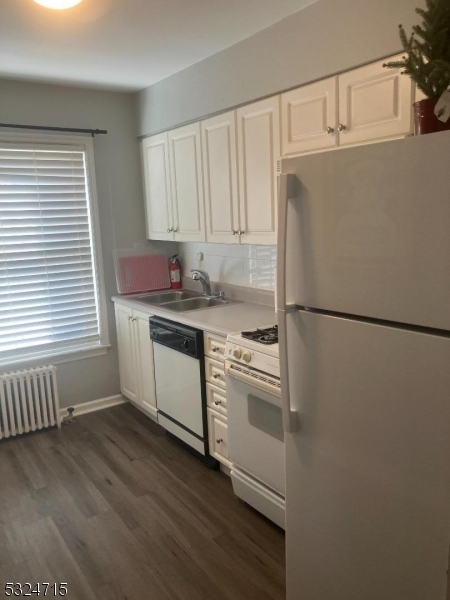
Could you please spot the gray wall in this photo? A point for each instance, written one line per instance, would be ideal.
(323, 39)
(120, 199)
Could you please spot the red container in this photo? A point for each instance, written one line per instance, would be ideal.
(425, 120)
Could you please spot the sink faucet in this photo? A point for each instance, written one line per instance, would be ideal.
(203, 277)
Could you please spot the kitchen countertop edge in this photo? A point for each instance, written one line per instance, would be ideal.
(219, 320)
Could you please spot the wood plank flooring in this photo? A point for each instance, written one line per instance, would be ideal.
(115, 509)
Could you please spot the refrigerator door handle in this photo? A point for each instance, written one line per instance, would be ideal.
(291, 420)
(286, 186)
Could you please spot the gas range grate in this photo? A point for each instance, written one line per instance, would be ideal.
(267, 336)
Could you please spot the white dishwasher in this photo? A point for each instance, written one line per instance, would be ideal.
(180, 385)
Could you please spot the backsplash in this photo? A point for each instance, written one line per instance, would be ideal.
(245, 265)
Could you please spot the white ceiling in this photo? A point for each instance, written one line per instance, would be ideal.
(125, 44)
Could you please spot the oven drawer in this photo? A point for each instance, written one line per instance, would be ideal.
(218, 437)
(214, 346)
(216, 399)
(215, 372)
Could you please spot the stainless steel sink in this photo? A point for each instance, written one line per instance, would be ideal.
(196, 304)
(184, 300)
(163, 297)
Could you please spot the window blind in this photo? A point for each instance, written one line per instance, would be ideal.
(48, 295)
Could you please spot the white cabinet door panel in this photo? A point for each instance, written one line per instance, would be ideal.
(309, 117)
(158, 200)
(218, 437)
(125, 344)
(187, 183)
(374, 103)
(220, 177)
(258, 152)
(144, 363)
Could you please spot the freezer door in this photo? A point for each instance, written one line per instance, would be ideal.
(368, 231)
(368, 473)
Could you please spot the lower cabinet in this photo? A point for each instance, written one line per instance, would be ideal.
(218, 437)
(137, 377)
(216, 397)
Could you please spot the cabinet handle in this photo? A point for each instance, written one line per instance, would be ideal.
(215, 349)
(219, 440)
(129, 318)
(330, 130)
(175, 230)
(241, 232)
(342, 127)
(216, 375)
(234, 232)
(217, 402)
(169, 230)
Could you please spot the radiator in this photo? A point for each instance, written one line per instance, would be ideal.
(28, 401)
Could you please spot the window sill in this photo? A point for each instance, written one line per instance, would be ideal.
(55, 357)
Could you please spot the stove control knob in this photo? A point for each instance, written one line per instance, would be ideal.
(246, 356)
(237, 352)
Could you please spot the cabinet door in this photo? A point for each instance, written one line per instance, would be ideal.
(125, 344)
(374, 103)
(218, 437)
(187, 183)
(220, 178)
(309, 117)
(258, 155)
(158, 201)
(144, 363)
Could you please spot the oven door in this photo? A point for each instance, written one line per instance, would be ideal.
(255, 428)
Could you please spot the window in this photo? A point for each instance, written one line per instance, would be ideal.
(51, 290)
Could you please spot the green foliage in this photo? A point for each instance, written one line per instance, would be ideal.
(427, 59)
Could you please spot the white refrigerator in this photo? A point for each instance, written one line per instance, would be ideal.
(363, 299)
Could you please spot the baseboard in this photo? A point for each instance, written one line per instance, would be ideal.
(94, 405)
(225, 470)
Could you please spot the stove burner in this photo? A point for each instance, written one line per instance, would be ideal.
(269, 335)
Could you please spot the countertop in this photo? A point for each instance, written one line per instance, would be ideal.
(220, 320)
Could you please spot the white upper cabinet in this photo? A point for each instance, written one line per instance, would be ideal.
(187, 183)
(158, 200)
(309, 117)
(216, 181)
(374, 103)
(220, 178)
(258, 127)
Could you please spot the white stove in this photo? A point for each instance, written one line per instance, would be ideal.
(255, 429)
(256, 349)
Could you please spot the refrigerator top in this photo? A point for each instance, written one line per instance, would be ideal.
(367, 231)
(289, 165)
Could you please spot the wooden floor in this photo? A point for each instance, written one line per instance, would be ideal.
(112, 507)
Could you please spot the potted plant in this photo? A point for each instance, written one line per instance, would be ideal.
(427, 62)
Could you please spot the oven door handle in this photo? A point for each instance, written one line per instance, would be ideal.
(256, 380)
